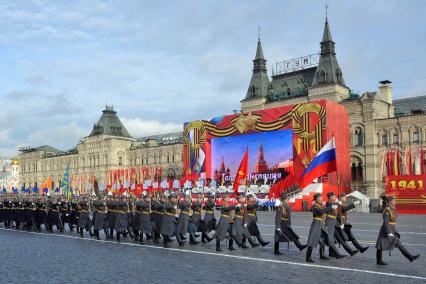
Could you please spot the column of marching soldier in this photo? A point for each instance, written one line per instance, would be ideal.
(155, 217)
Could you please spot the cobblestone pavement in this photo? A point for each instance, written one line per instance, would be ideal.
(29, 257)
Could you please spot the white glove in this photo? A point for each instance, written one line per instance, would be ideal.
(279, 229)
(277, 203)
(340, 202)
(245, 225)
(237, 206)
(334, 206)
(67, 215)
(175, 207)
(342, 226)
(356, 202)
(391, 236)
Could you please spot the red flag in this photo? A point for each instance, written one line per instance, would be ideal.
(390, 162)
(281, 186)
(242, 172)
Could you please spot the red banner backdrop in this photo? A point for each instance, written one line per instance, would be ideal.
(313, 124)
(410, 192)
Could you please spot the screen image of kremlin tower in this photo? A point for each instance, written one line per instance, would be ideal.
(270, 157)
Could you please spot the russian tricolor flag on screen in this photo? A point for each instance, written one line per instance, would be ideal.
(323, 163)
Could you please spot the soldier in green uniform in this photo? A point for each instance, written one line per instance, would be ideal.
(283, 230)
(389, 237)
(168, 222)
(317, 233)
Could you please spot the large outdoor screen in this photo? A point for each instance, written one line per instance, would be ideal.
(270, 156)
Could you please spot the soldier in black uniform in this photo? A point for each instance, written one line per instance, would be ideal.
(53, 216)
(121, 220)
(168, 224)
(143, 217)
(19, 214)
(100, 218)
(2, 214)
(209, 220)
(331, 224)
(342, 232)
(40, 215)
(283, 230)
(317, 233)
(7, 205)
(156, 218)
(195, 221)
(73, 217)
(251, 219)
(28, 214)
(111, 214)
(224, 226)
(183, 220)
(65, 214)
(389, 237)
(84, 221)
(239, 228)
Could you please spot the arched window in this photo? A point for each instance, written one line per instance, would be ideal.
(416, 137)
(395, 138)
(357, 174)
(384, 139)
(359, 137)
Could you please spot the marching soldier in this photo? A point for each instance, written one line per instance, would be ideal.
(121, 220)
(330, 223)
(389, 237)
(53, 216)
(224, 226)
(239, 229)
(168, 223)
(2, 210)
(283, 230)
(156, 217)
(195, 221)
(84, 221)
(73, 217)
(143, 216)
(40, 215)
(19, 214)
(317, 233)
(111, 214)
(28, 214)
(251, 219)
(183, 220)
(100, 218)
(209, 220)
(343, 231)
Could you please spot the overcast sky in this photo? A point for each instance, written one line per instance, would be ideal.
(161, 63)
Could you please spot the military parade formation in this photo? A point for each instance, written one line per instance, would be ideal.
(163, 217)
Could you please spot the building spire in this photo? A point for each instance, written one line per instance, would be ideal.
(328, 70)
(259, 82)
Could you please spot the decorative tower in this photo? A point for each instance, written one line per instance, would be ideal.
(328, 81)
(222, 169)
(261, 165)
(259, 83)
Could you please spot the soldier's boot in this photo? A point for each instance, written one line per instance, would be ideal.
(348, 249)
(243, 244)
(299, 245)
(379, 257)
(118, 236)
(141, 239)
(331, 252)
(252, 242)
(207, 238)
(407, 254)
(179, 240)
(322, 254)
(309, 255)
(61, 228)
(136, 235)
(165, 242)
(130, 232)
(148, 236)
(50, 228)
(277, 248)
(90, 232)
(203, 238)
(81, 232)
(78, 229)
(336, 253)
(106, 233)
(192, 240)
(71, 227)
(154, 238)
(182, 237)
(359, 246)
(218, 245)
(261, 241)
(97, 234)
(231, 245)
